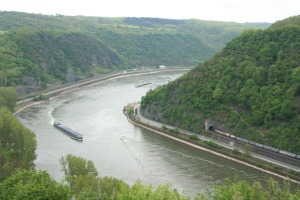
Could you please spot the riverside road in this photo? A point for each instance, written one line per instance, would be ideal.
(160, 125)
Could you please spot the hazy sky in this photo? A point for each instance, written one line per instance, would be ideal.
(220, 10)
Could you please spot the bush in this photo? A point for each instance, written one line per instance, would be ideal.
(41, 97)
(164, 127)
(213, 145)
(194, 137)
(236, 151)
(175, 130)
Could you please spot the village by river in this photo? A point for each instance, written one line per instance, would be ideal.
(117, 147)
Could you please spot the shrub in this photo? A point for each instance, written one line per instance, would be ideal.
(194, 137)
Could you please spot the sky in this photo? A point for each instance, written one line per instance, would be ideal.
(217, 10)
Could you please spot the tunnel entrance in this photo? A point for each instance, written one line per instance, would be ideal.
(211, 128)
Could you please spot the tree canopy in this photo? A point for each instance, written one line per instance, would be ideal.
(8, 97)
(74, 167)
(29, 185)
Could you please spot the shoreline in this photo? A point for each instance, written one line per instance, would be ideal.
(27, 106)
(208, 150)
(92, 82)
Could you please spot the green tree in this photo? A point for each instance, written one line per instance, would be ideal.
(247, 150)
(148, 192)
(235, 189)
(239, 190)
(218, 94)
(8, 97)
(87, 193)
(74, 167)
(86, 182)
(111, 187)
(29, 185)
(17, 145)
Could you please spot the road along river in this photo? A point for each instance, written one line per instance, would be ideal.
(117, 147)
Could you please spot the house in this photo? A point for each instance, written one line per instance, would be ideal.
(162, 66)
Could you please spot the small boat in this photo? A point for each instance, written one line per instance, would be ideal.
(122, 137)
(141, 85)
(73, 134)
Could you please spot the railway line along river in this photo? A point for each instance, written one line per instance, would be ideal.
(117, 147)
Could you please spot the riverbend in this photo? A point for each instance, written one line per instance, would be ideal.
(119, 148)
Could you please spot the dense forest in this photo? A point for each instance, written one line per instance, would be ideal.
(251, 89)
(39, 51)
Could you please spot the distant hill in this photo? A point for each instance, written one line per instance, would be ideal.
(251, 89)
(151, 22)
(40, 50)
(35, 58)
(259, 24)
(295, 20)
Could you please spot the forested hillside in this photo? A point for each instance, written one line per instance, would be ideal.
(35, 58)
(251, 89)
(38, 50)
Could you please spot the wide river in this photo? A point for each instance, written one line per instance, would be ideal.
(96, 112)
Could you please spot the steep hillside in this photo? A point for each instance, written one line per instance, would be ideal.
(251, 88)
(38, 50)
(35, 58)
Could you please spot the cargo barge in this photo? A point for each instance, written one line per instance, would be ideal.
(73, 134)
(141, 85)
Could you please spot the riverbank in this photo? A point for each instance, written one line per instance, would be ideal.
(29, 100)
(209, 147)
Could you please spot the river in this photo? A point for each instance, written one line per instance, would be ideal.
(96, 112)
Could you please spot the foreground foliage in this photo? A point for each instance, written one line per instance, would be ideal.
(17, 145)
(74, 167)
(241, 190)
(82, 177)
(86, 185)
(8, 97)
(32, 185)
